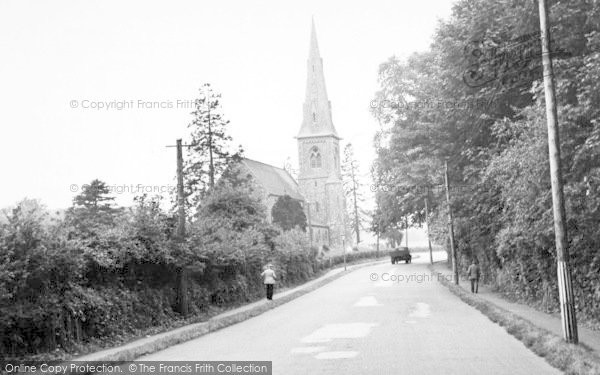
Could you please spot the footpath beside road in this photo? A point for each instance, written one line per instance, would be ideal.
(151, 344)
(549, 322)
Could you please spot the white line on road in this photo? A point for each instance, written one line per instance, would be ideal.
(367, 301)
(339, 331)
(308, 349)
(336, 355)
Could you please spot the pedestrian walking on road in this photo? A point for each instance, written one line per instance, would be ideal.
(269, 280)
(473, 272)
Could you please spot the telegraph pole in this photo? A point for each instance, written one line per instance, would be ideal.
(344, 246)
(565, 288)
(180, 196)
(378, 226)
(451, 227)
(377, 252)
(180, 193)
(427, 223)
(182, 297)
(406, 230)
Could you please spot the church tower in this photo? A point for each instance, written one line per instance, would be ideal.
(319, 175)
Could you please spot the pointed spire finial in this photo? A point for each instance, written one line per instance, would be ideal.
(317, 119)
(314, 45)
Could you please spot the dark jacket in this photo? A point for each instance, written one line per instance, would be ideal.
(473, 272)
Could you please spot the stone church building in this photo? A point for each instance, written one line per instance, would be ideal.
(319, 186)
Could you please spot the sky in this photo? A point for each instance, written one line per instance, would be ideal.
(144, 61)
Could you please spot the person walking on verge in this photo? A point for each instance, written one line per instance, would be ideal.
(269, 280)
(474, 273)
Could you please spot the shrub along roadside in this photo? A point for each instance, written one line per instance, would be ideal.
(572, 359)
(96, 278)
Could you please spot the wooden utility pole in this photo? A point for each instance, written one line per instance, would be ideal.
(377, 252)
(406, 230)
(451, 227)
(378, 226)
(565, 288)
(182, 296)
(180, 195)
(427, 224)
(344, 246)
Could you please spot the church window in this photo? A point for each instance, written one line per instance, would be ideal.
(315, 158)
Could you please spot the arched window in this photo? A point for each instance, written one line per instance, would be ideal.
(315, 158)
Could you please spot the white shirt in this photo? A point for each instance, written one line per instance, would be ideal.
(269, 276)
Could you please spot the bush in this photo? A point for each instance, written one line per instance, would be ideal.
(60, 290)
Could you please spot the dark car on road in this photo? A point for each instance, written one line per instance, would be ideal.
(400, 253)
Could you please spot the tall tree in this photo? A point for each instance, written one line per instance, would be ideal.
(210, 152)
(352, 189)
(92, 209)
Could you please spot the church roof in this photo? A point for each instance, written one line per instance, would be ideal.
(317, 120)
(275, 181)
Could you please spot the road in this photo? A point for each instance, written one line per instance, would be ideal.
(382, 319)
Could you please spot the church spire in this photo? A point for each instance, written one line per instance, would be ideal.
(317, 120)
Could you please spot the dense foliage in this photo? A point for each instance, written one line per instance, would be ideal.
(475, 99)
(62, 287)
(288, 213)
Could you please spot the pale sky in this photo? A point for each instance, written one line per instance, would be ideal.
(61, 54)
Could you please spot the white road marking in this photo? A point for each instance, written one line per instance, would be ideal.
(339, 331)
(410, 321)
(308, 349)
(422, 310)
(367, 301)
(336, 355)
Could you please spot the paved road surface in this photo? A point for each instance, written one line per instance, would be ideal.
(355, 325)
